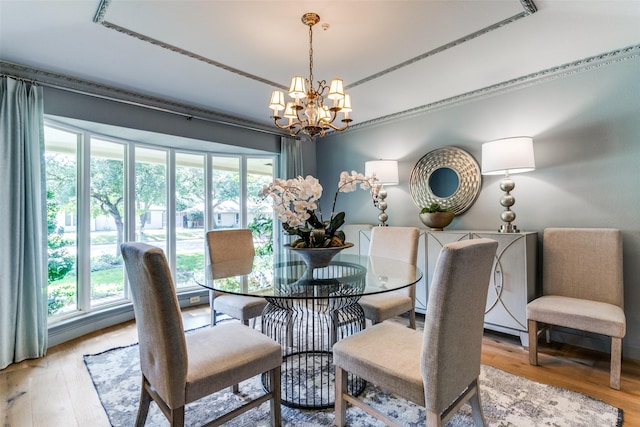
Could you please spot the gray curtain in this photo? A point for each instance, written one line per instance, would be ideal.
(23, 253)
(290, 167)
(290, 158)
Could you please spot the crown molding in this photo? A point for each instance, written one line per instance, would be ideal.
(543, 76)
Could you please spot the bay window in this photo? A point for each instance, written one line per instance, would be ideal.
(104, 190)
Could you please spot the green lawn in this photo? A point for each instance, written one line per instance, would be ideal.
(109, 282)
(102, 237)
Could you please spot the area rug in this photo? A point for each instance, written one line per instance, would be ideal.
(508, 400)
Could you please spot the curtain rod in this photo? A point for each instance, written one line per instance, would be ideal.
(189, 115)
(24, 79)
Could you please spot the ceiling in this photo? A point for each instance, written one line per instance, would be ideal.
(224, 58)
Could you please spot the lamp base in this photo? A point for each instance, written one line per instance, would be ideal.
(508, 228)
(382, 219)
(507, 200)
(379, 195)
(382, 205)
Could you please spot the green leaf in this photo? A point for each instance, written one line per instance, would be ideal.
(336, 223)
(435, 207)
(314, 221)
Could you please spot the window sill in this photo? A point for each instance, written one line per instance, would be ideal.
(82, 324)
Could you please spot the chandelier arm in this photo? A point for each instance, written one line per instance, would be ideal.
(322, 86)
(298, 115)
(303, 123)
(279, 126)
(334, 114)
(332, 126)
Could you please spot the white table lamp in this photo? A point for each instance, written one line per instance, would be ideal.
(386, 171)
(508, 156)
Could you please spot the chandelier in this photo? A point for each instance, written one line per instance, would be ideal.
(308, 112)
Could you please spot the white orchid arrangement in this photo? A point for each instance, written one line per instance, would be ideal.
(295, 202)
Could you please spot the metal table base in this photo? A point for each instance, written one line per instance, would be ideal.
(307, 321)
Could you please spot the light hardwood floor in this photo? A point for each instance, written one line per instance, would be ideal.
(57, 390)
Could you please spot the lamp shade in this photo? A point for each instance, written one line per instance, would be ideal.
(385, 170)
(290, 112)
(336, 89)
(297, 88)
(508, 155)
(345, 103)
(277, 101)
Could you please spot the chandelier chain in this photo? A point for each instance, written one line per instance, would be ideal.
(311, 56)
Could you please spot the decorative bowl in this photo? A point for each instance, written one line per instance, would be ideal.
(318, 257)
(437, 221)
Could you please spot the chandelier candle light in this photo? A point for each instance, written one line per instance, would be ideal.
(316, 118)
(508, 156)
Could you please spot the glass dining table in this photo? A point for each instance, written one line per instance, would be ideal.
(308, 310)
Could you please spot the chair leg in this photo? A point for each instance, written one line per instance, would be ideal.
(340, 407)
(145, 401)
(412, 319)
(533, 342)
(276, 416)
(433, 419)
(476, 409)
(177, 417)
(213, 312)
(616, 363)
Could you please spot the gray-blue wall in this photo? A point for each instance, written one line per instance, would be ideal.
(586, 130)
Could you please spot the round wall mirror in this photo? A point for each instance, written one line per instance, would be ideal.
(444, 182)
(449, 176)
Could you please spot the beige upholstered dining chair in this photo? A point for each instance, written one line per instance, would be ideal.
(582, 287)
(227, 245)
(400, 243)
(178, 369)
(437, 368)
